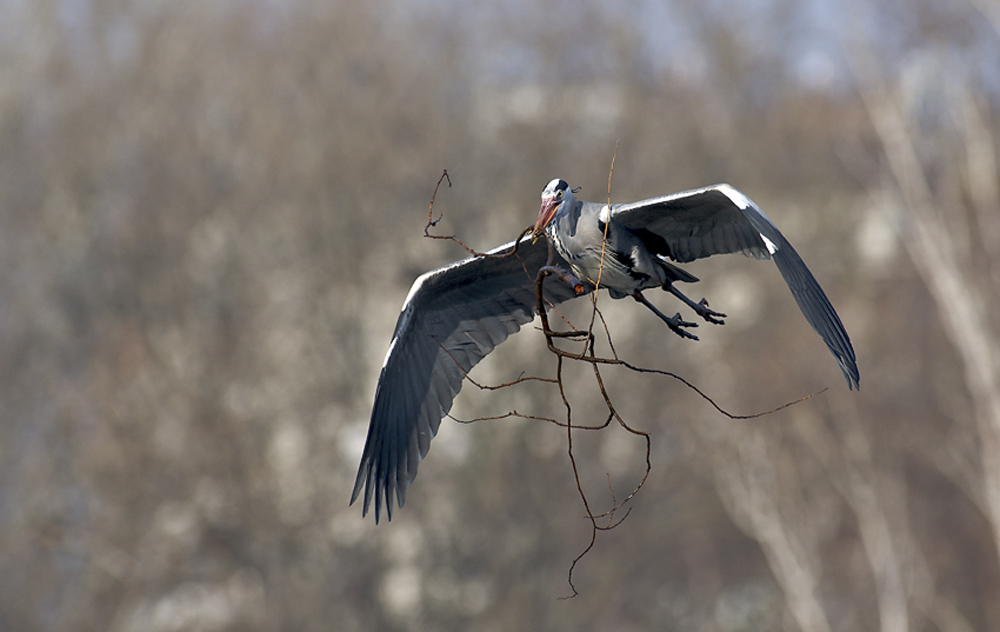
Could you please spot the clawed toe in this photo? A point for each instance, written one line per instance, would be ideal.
(700, 308)
(712, 316)
(676, 323)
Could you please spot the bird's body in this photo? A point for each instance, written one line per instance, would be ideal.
(456, 315)
(596, 249)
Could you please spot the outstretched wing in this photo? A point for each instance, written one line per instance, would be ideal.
(451, 319)
(719, 220)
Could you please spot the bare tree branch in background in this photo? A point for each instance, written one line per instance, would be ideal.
(207, 211)
(944, 242)
(748, 484)
(848, 460)
(991, 10)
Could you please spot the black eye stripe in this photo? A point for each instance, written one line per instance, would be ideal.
(556, 188)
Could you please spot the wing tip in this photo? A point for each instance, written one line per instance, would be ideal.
(381, 490)
(851, 372)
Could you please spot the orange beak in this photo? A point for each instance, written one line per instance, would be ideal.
(546, 213)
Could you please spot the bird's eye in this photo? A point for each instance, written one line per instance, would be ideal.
(558, 194)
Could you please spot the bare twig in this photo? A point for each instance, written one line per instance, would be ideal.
(590, 356)
(431, 223)
(587, 355)
(430, 209)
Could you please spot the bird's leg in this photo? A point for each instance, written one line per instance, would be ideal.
(675, 323)
(700, 308)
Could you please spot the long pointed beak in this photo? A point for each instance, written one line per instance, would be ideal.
(545, 214)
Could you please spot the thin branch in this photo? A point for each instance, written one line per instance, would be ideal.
(590, 356)
(431, 223)
(430, 210)
(587, 355)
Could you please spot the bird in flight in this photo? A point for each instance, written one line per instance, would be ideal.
(455, 315)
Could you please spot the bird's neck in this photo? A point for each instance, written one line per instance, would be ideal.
(563, 225)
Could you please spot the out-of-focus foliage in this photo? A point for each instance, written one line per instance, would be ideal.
(210, 212)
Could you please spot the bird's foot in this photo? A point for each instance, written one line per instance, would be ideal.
(674, 322)
(712, 316)
(700, 308)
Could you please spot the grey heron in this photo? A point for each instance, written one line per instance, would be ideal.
(455, 315)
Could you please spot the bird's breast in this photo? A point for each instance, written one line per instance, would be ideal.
(617, 269)
(571, 255)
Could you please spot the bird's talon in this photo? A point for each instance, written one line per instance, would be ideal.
(712, 316)
(700, 308)
(677, 322)
(681, 322)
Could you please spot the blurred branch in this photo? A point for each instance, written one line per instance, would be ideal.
(848, 462)
(981, 175)
(748, 486)
(933, 241)
(991, 11)
(179, 180)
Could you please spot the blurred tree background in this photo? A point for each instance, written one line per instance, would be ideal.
(211, 211)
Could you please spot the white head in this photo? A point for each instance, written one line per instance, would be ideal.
(555, 194)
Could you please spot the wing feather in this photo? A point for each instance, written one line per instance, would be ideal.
(694, 224)
(720, 220)
(453, 317)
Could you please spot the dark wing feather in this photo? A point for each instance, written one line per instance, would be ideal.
(697, 224)
(719, 220)
(452, 319)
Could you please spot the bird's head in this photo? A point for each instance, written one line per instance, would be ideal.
(555, 194)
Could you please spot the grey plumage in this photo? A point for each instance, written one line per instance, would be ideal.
(453, 318)
(456, 315)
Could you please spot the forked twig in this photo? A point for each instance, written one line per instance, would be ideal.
(587, 354)
(431, 223)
